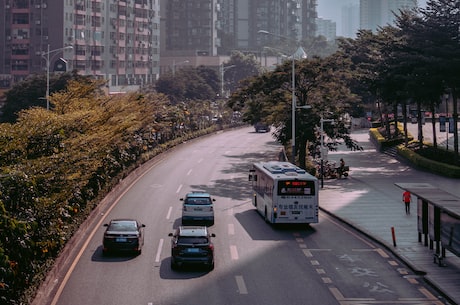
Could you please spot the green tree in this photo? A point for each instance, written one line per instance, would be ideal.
(245, 66)
(188, 84)
(32, 91)
(442, 22)
(320, 84)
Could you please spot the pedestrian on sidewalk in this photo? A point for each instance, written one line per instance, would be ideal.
(407, 200)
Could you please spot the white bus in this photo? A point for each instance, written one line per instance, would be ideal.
(284, 193)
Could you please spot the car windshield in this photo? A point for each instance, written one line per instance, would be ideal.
(122, 226)
(192, 240)
(198, 200)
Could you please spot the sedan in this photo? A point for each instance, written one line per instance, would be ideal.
(123, 235)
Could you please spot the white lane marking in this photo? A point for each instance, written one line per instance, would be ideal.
(178, 189)
(160, 247)
(168, 216)
(233, 252)
(189, 172)
(241, 285)
(200, 160)
(96, 227)
(231, 229)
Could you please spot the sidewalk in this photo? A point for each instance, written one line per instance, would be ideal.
(370, 201)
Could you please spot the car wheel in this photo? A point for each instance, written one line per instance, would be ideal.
(211, 266)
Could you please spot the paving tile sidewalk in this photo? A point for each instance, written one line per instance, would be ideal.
(370, 201)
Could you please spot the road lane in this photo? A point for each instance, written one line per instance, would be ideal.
(255, 262)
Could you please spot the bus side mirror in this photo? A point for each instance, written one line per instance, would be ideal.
(252, 175)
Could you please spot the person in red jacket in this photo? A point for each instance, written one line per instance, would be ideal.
(407, 200)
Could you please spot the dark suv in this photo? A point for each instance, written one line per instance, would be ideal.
(192, 245)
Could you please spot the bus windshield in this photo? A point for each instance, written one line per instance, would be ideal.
(296, 188)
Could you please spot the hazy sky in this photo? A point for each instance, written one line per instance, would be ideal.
(331, 9)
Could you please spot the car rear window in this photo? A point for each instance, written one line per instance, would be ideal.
(198, 201)
(123, 226)
(192, 240)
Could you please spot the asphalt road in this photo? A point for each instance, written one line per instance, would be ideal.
(255, 263)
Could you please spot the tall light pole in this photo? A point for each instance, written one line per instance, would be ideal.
(46, 57)
(176, 64)
(322, 147)
(222, 71)
(298, 54)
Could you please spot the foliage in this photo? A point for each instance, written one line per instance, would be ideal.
(414, 62)
(243, 67)
(188, 84)
(321, 84)
(32, 93)
(55, 165)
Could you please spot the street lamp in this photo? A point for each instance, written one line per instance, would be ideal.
(46, 57)
(322, 147)
(176, 64)
(222, 71)
(298, 54)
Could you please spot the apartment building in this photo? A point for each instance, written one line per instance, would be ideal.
(116, 40)
(205, 32)
(326, 28)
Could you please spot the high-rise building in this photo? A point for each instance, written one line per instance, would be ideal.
(216, 27)
(379, 13)
(116, 40)
(349, 20)
(326, 28)
(190, 27)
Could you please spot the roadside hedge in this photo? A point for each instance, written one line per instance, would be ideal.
(55, 166)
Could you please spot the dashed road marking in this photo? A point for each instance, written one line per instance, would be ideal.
(231, 229)
(233, 252)
(168, 215)
(326, 280)
(412, 280)
(320, 271)
(160, 247)
(241, 284)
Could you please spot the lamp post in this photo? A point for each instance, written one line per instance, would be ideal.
(46, 57)
(322, 147)
(176, 64)
(222, 71)
(298, 54)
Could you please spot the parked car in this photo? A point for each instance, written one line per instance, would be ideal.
(123, 235)
(198, 208)
(192, 245)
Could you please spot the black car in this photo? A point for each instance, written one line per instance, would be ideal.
(123, 235)
(192, 245)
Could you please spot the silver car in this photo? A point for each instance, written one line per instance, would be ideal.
(198, 208)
